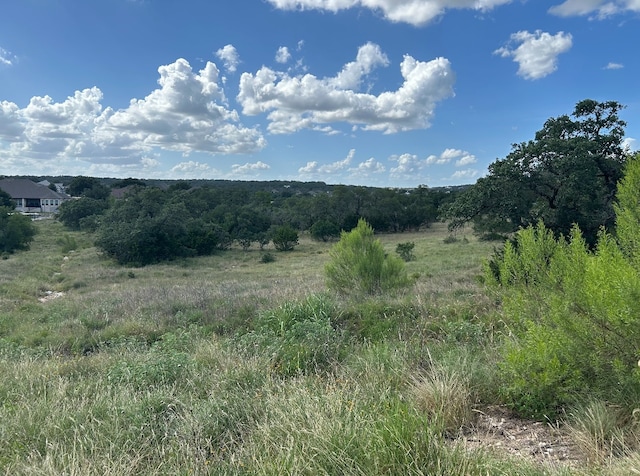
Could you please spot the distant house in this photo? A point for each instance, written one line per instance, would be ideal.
(31, 197)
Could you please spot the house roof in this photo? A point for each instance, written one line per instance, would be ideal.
(25, 188)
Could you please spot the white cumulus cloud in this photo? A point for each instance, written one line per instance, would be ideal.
(193, 169)
(313, 168)
(536, 53)
(409, 165)
(249, 168)
(460, 157)
(188, 112)
(299, 102)
(230, 58)
(370, 166)
(614, 66)
(283, 55)
(414, 12)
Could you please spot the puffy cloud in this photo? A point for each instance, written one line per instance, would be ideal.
(193, 169)
(230, 58)
(369, 57)
(369, 166)
(313, 168)
(248, 168)
(187, 113)
(414, 12)
(466, 159)
(11, 123)
(601, 8)
(536, 53)
(408, 165)
(308, 101)
(282, 55)
(309, 168)
(461, 158)
(614, 66)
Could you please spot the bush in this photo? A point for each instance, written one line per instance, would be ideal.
(405, 250)
(298, 337)
(627, 211)
(16, 231)
(81, 214)
(267, 258)
(324, 230)
(360, 265)
(285, 238)
(575, 317)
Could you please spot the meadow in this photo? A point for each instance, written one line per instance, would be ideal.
(229, 365)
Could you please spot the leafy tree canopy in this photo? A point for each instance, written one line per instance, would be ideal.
(6, 200)
(74, 214)
(89, 187)
(128, 182)
(16, 231)
(567, 175)
(284, 238)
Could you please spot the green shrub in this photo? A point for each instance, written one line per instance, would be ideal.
(16, 231)
(374, 320)
(405, 250)
(82, 214)
(537, 379)
(575, 317)
(298, 338)
(359, 264)
(166, 362)
(627, 211)
(267, 258)
(285, 238)
(324, 230)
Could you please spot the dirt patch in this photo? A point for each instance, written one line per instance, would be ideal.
(544, 443)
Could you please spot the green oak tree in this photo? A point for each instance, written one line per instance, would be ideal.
(567, 175)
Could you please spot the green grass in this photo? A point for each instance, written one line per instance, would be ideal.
(225, 365)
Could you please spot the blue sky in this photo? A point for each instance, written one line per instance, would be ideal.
(392, 93)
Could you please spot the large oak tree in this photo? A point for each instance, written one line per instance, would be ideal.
(567, 175)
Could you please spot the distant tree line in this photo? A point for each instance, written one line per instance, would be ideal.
(149, 224)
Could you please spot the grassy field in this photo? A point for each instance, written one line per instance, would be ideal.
(226, 365)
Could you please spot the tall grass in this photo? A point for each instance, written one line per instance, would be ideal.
(225, 365)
